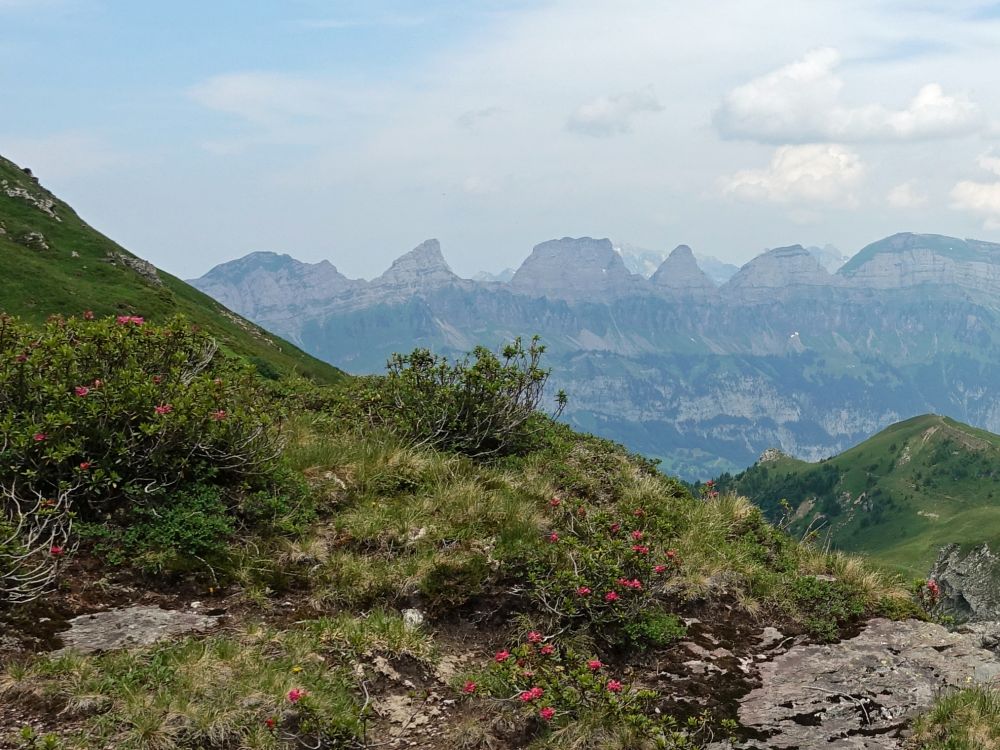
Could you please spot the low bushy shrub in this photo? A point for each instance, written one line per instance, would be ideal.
(115, 418)
(481, 405)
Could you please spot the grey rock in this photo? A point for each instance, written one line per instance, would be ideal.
(861, 692)
(969, 583)
(779, 274)
(909, 260)
(142, 267)
(577, 269)
(680, 276)
(130, 627)
(718, 270)
(44, 203)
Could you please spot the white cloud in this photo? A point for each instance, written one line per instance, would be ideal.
(266, 98)
(801, 102)
(906, 195)
(979, 198)
(990, 162)
(813, 173)
(612, 115)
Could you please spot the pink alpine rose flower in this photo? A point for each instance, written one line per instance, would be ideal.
(469, 687)
(547, 649)
(611, 596)
(614, 686)
(547, 713)
(501, 656)
(594, 664)
(583, 591)
(534, 637)
(163, 409)
(39, 437)
(296, 694)
(81, 390)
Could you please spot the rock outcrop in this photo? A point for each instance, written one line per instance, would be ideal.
(129, 627)
(863, 692)
(969, 583)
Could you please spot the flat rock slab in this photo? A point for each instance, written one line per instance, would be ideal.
(863, 692)
(129, 627)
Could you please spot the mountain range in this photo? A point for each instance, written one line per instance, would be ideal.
(784, 354)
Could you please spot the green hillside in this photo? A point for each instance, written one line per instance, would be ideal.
(899, 496)
(54, 263)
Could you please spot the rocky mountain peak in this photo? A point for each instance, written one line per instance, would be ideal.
(909, 260)
(576, 268)
(680, 273)
(424, 266)
(779, 271)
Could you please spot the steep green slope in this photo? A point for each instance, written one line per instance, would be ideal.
(54, 263)
(898, 496)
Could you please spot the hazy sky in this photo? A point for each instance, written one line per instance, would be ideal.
(194, 132)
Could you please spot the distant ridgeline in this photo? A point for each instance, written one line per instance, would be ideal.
(784, 354)
(53, 263)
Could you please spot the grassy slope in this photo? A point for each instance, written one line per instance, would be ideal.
(928, 481)
(75, 274)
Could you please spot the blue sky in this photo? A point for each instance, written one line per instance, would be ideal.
(195, 132)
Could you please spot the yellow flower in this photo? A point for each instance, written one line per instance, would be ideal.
(296, 669)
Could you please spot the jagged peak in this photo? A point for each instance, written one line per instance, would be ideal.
(424, 264)
(680, 271)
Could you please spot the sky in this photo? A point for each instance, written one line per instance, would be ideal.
(194, 132)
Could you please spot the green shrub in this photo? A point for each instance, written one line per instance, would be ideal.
(480, 405)
(825, 606)
(117, 417)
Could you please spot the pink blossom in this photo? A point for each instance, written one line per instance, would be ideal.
(84, 465)
(555, 502)
(615, 528)
(547, 649)
(297, 694)
(124, 320)
(88, 314)
(536, 692)
(534, 637)
(594, 664)
(163, 409)
(637, 535)
(671, 553)
(640, 549)
(553, 537)
(469, 687)
(639, 513)
(157, 379)
(81, 390)
(270, 722)
(611, 596)
(660, 569)
(525, 696)
(583, 591)
(614, 686)
(56, 551)
(219, 415)
(501, 656)
(39, 437)
(547, 713)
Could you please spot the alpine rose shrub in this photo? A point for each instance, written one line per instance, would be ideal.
(482, 405)
(102, 416)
